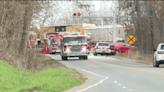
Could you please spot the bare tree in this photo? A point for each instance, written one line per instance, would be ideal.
(147, 17)
(15, 20)
(47, 14)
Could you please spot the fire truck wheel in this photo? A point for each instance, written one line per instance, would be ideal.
(86, 57)
(80, 57)
(64, 58)
(95, 54)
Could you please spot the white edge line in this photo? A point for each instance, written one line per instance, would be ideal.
(93, 84)
(130, 90)
(120, 84)
(91, 72)
(123, 87)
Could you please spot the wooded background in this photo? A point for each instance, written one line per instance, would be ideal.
(147, 17)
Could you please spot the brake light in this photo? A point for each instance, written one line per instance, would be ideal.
(160, 52)
(64, 47)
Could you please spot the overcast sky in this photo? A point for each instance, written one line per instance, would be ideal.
(66, 9)
(97, 4)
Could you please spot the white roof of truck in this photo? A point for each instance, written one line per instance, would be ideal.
(106, 26)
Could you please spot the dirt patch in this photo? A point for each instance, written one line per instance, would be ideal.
(49, 62)
(34, 89)
(78, 75)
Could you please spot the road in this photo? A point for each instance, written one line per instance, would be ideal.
(107, 74)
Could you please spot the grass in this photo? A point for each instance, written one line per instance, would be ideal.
(135, 56)
(48, 80)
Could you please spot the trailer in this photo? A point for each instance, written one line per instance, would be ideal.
(105, 33)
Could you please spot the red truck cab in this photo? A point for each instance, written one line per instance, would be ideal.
(52, 43)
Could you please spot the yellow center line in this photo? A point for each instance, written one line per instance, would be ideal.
(131, 68)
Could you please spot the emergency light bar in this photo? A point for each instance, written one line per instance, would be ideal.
(74, 33)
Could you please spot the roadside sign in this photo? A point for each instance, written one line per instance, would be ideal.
(131, 39)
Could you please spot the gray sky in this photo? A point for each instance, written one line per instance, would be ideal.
(97, 4)
(65, 8)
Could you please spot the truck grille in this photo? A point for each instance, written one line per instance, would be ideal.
(75, 48)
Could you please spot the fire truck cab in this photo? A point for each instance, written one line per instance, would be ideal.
(74, 44)
(53, 42)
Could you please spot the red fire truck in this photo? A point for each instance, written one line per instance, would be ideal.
(52, 43)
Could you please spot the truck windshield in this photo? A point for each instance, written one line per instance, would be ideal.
(126, 45)
(55, 41)
(72, 40)
(103, 44)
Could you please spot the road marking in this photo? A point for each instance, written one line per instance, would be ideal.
(105, 78)
(91, 72)
(136, 69)
(123, 87)
(130, 90)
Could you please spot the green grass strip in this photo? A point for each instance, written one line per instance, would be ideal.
(48, 80)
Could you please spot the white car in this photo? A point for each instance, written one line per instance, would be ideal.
(102, 48)
(158, 57)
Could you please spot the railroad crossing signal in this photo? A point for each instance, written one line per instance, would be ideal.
(79, 14)
(131, 39)
(74, 14)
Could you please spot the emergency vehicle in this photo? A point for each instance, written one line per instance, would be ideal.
(52, 43)
(75, 44)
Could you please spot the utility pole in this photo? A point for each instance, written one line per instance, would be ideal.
(102, 20)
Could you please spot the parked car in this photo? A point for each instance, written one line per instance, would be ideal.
(158, 57)
(103, 48)
(123, 47)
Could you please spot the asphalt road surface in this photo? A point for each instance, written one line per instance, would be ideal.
(107, 74)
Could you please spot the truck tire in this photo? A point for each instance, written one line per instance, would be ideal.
(85, 57)
(64, 58)
(155, 63)
(80, 58)
(95, 54)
